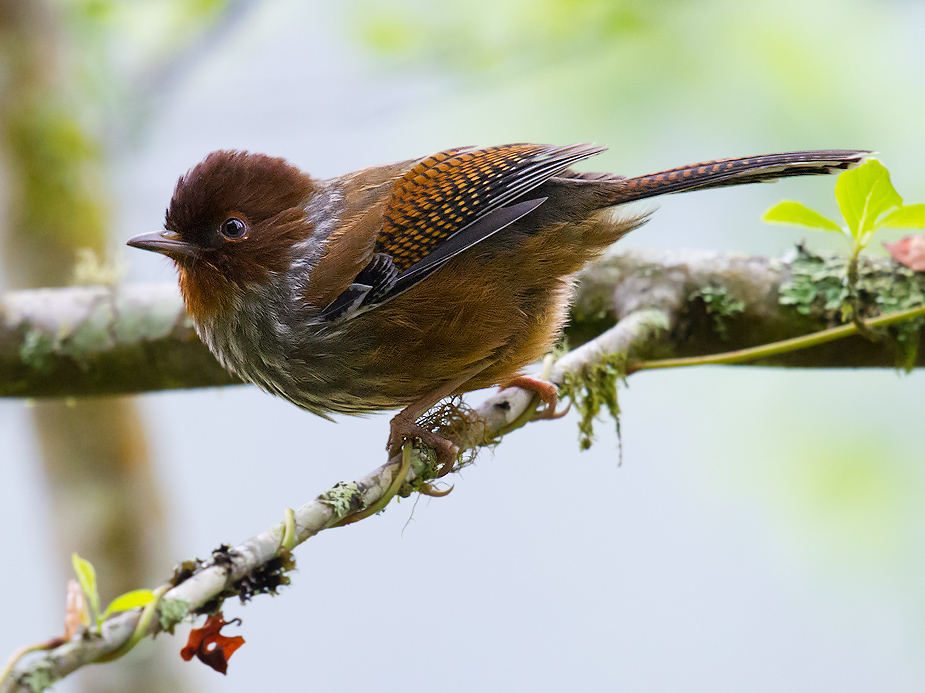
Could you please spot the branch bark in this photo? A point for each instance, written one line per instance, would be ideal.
(101, 341)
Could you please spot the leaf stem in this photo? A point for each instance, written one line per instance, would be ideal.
(141, 628)
(288, 541)
(775, 348)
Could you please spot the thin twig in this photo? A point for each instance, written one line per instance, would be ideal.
(776, 348)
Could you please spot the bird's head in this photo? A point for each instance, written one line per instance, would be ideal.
(232, 221)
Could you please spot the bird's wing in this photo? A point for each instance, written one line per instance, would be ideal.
(442, 206)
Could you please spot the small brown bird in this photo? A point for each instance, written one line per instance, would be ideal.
(400, 285)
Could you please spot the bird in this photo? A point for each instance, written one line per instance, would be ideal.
(397, 286)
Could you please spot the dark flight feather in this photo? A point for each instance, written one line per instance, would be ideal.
(448, 203)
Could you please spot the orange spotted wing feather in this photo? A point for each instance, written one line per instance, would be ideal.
(444, 205)
(447, 192)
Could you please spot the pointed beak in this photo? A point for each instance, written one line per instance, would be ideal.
(164, 242)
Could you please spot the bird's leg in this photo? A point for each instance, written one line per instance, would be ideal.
(547, 392)
(404, 425)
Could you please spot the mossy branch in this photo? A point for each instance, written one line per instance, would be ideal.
(637, 306)
(258, 564)
(83, 341)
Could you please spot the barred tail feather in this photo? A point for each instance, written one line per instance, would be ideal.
(738, 171)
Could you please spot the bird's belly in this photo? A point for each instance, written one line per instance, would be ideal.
(318, 369)
(352, 374)
(403, 350)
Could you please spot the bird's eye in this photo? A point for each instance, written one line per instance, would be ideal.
(233, 228)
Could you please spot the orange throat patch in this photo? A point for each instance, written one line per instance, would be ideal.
(206, 293)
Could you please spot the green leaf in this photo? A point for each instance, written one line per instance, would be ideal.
(86, 576)
(129, 600)
(910, 217)
(801, 215)
(864, 194)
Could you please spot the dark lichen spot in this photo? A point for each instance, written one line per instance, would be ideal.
(214, 605)
(184, 571)
(266, 579)
(224, 556)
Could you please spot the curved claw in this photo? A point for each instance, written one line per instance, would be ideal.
(430, 490)
(550, 413)
(447, 461)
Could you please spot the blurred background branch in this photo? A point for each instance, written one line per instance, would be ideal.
(68, 104)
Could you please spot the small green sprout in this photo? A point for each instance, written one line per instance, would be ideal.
(86, 576)
(868, 202)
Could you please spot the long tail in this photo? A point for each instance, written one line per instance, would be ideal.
(739, 171)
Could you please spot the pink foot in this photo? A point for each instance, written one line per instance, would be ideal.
(548, 393)
(403, 430)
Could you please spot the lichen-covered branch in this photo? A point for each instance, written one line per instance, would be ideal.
(229, 572)
(98, 340)
(630, 307)
(257, 564)
(726, 302)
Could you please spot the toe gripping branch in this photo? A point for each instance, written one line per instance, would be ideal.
(547, 393)
(406, 434)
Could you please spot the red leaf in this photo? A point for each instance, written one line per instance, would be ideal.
(210, 646)
(910, 252)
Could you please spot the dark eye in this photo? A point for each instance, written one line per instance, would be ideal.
(233, 228)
